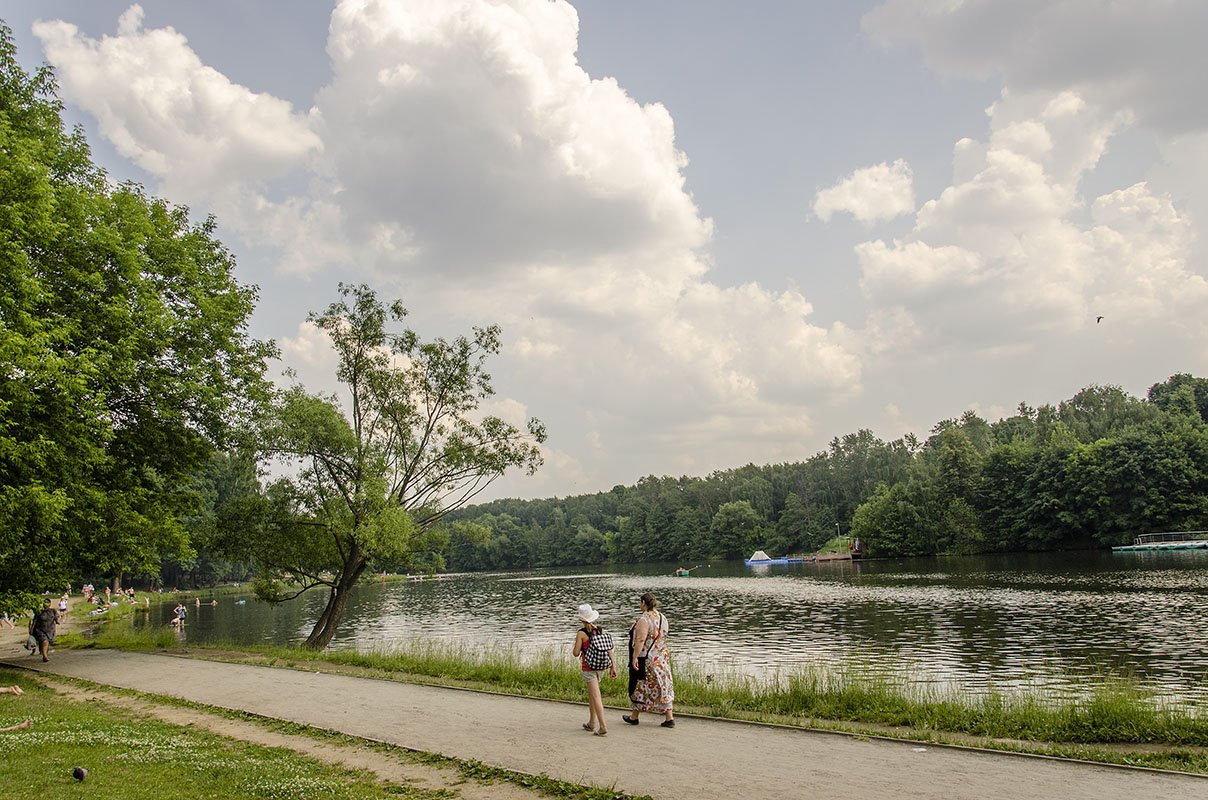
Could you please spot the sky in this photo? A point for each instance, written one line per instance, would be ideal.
(714, 233)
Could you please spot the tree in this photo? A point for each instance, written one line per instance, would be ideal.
(378, 475)
(124, 354)
(734, 528)
(1173, 392)
(893, 522)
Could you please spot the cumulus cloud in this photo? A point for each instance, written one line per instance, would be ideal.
(1144, 57)
(1003, 257)
(462, 157)
(175, 117)
(879, 192)
(1011, 257)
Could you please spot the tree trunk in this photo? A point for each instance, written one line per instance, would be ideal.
(325, 629)
(329, 621)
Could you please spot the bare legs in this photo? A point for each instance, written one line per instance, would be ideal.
(20, 726)
(595, 707)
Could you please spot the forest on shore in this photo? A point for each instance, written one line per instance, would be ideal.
(1091, 471)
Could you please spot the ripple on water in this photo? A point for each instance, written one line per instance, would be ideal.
(1057, 622)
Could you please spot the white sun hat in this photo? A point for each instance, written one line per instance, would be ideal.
(587, 613)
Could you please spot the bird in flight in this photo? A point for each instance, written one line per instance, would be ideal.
(1098, 319)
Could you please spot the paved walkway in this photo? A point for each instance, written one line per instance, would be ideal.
(698, 760)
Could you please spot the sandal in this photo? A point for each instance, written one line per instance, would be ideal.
(668, 724)
(587, 726)
(630, 721)
(600, 732)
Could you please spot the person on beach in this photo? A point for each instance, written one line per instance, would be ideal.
(42, 628)
(650, 685)
(592, 665)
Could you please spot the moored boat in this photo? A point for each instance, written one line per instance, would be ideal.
(1166, 541)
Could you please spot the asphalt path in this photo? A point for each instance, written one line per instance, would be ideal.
(700, 759)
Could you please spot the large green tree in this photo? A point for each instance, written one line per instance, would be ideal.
(124, 354)
(734, 529)
(378, 471)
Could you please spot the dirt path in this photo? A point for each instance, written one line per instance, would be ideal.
(698, 759)
(393, 766)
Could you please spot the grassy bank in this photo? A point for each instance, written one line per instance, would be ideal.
(1118, 712)
(141, 759)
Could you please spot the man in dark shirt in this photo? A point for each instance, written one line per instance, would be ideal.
(44, 628)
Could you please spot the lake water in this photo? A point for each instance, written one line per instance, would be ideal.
(1055, 620)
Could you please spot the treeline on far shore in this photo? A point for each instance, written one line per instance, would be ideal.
(1090, 471)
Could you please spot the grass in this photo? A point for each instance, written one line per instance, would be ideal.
(1118, 711)
(836, 544)
(141, 759)
(109, 732)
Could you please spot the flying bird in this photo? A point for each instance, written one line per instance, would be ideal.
(1098, 319)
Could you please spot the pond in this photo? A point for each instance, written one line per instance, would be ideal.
(1059, 620)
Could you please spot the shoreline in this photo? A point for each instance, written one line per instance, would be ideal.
(1186, 749)
(456, 670)
(539, 737)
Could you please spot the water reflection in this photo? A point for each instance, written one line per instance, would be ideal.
(1056, 620)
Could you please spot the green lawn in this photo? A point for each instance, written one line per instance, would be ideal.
(140, 759)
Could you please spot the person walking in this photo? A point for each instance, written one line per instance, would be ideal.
(593, 648)
(651, 687)
(42, 628)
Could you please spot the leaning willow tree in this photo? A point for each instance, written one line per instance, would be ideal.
(377, 473)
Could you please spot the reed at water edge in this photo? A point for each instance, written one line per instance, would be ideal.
(1116, 710)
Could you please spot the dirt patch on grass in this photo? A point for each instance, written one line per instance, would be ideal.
(390, 764)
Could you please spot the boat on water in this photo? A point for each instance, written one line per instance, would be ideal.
(1166, 541)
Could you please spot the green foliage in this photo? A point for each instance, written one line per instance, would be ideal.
(124, 355)
(734, 529)
(376, 474)
(1094, 470)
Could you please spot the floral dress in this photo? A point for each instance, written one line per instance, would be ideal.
(655, 692)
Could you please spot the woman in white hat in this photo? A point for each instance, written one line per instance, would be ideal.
(592, 665)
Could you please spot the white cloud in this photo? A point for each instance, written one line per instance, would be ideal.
(1001, 260)
(1146, 58)
(461, 157)
(164, 109)
(879, 192)
(1075, 74)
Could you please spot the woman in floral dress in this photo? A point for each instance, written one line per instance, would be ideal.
(650, 663)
